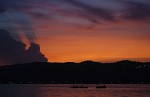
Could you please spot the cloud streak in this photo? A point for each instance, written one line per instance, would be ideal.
(92, 13)
(136, 11)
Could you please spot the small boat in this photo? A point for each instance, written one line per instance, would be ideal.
(78, 86)
(101, 86)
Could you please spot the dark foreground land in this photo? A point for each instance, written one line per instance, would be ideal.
(84, 72)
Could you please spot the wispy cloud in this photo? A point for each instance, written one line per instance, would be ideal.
(136, 11)
(94, 14)
(69, 9)
(32, 7)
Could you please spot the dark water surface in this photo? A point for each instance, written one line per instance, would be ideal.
(59, 90)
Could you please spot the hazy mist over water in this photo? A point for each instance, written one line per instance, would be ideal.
(62, 90)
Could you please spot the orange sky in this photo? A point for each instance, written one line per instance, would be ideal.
(103, 43)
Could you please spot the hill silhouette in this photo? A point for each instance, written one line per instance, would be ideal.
(85, 72)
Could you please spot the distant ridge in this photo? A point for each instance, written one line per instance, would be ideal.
(124, 71)
(128, 61)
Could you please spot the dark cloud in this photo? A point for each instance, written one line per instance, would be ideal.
(138, 11)
(9, 4)
(12, 51)
(34, 51)
(40, 13)
(2, 8)
(94, 14)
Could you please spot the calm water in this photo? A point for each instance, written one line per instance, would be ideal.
(65, 91)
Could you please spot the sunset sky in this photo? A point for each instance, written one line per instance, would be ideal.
(78, 30)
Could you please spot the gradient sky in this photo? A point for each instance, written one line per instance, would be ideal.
(77, 30)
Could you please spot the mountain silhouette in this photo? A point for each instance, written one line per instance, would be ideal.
(85, 72)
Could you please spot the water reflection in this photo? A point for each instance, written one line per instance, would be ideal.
(65, 91)
(19, 91)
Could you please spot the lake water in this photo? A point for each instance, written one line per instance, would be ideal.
(59, 90)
